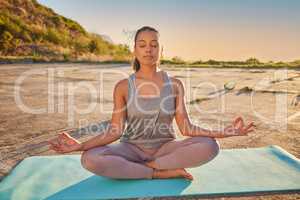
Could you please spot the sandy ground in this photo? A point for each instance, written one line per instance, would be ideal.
(54, 88)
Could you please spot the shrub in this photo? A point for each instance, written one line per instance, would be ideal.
(252, 61)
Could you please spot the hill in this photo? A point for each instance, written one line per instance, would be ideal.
(31, 30)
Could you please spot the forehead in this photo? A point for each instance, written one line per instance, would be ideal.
(147, 36)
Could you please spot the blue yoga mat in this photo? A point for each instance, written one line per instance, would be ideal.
(234, 172)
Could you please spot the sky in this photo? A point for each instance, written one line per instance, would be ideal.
(196, 29)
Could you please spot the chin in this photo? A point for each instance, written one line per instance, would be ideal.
(148, 62)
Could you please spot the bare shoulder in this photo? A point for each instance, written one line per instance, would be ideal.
(122, 84)
(121, 87)
(177, 85)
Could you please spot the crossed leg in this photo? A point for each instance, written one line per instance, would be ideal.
(187, 153)
(116, 161)
(125, 161)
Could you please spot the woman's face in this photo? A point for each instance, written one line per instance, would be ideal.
(146, 48)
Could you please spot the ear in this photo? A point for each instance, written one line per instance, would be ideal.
(161, 51)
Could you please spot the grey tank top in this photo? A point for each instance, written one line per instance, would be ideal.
(149, 119)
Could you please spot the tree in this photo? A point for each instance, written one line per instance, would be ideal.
(252, 61)
(93, 46)
(177, 60)
(5, 41)
(53, 36)
(212, 62)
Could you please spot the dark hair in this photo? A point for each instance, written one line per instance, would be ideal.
(136, 63)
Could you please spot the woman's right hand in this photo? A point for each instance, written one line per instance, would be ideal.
(65, 143)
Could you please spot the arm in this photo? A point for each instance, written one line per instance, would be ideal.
(187, 128)
(117, 124)
(64, 143)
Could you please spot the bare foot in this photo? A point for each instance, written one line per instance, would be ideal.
(172, 173)
(150, 164)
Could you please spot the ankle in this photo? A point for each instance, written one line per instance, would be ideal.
(156, 173)
(151, 164)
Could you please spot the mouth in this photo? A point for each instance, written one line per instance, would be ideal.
(149, 57)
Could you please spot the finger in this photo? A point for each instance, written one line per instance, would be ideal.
(53, 144)
(61, 137)
(64, 135)
(236, 121)
(59, 143)
(246, 131)
(62, 141)
(54, 148)
(63, 150)
(250, 130)
(250, 125)
(239, 123)
(59, 150)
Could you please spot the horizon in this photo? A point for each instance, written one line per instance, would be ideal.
(194, 30)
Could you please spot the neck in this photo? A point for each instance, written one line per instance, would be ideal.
(148, 71)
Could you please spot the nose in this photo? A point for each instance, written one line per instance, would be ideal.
(148, 49)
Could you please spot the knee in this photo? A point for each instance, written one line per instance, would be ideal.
(211, 144)
(86, 159)
(214, 147)
(91, 161)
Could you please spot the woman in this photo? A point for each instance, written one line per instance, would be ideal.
(147, 102)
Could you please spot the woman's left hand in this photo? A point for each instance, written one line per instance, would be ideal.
(238, 128)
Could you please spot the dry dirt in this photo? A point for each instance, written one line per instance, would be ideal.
(49, 87)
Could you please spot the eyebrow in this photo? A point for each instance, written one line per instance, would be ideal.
(145, 41)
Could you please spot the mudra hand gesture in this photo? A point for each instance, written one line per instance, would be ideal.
(64, 143)
(238, 128)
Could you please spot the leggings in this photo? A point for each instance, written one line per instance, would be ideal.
(125, 160)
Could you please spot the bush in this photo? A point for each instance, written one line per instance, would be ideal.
(177, 60)
(5, 42)
(73, 25)
(122, 50)
(56, 20)
(197, 62)
(93, 46)
(37, 33)
(26, 36)
(56, 37)
(252, 61)
(212, 62)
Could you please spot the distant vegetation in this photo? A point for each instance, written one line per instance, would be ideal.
(29, 30)
(249, 63)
